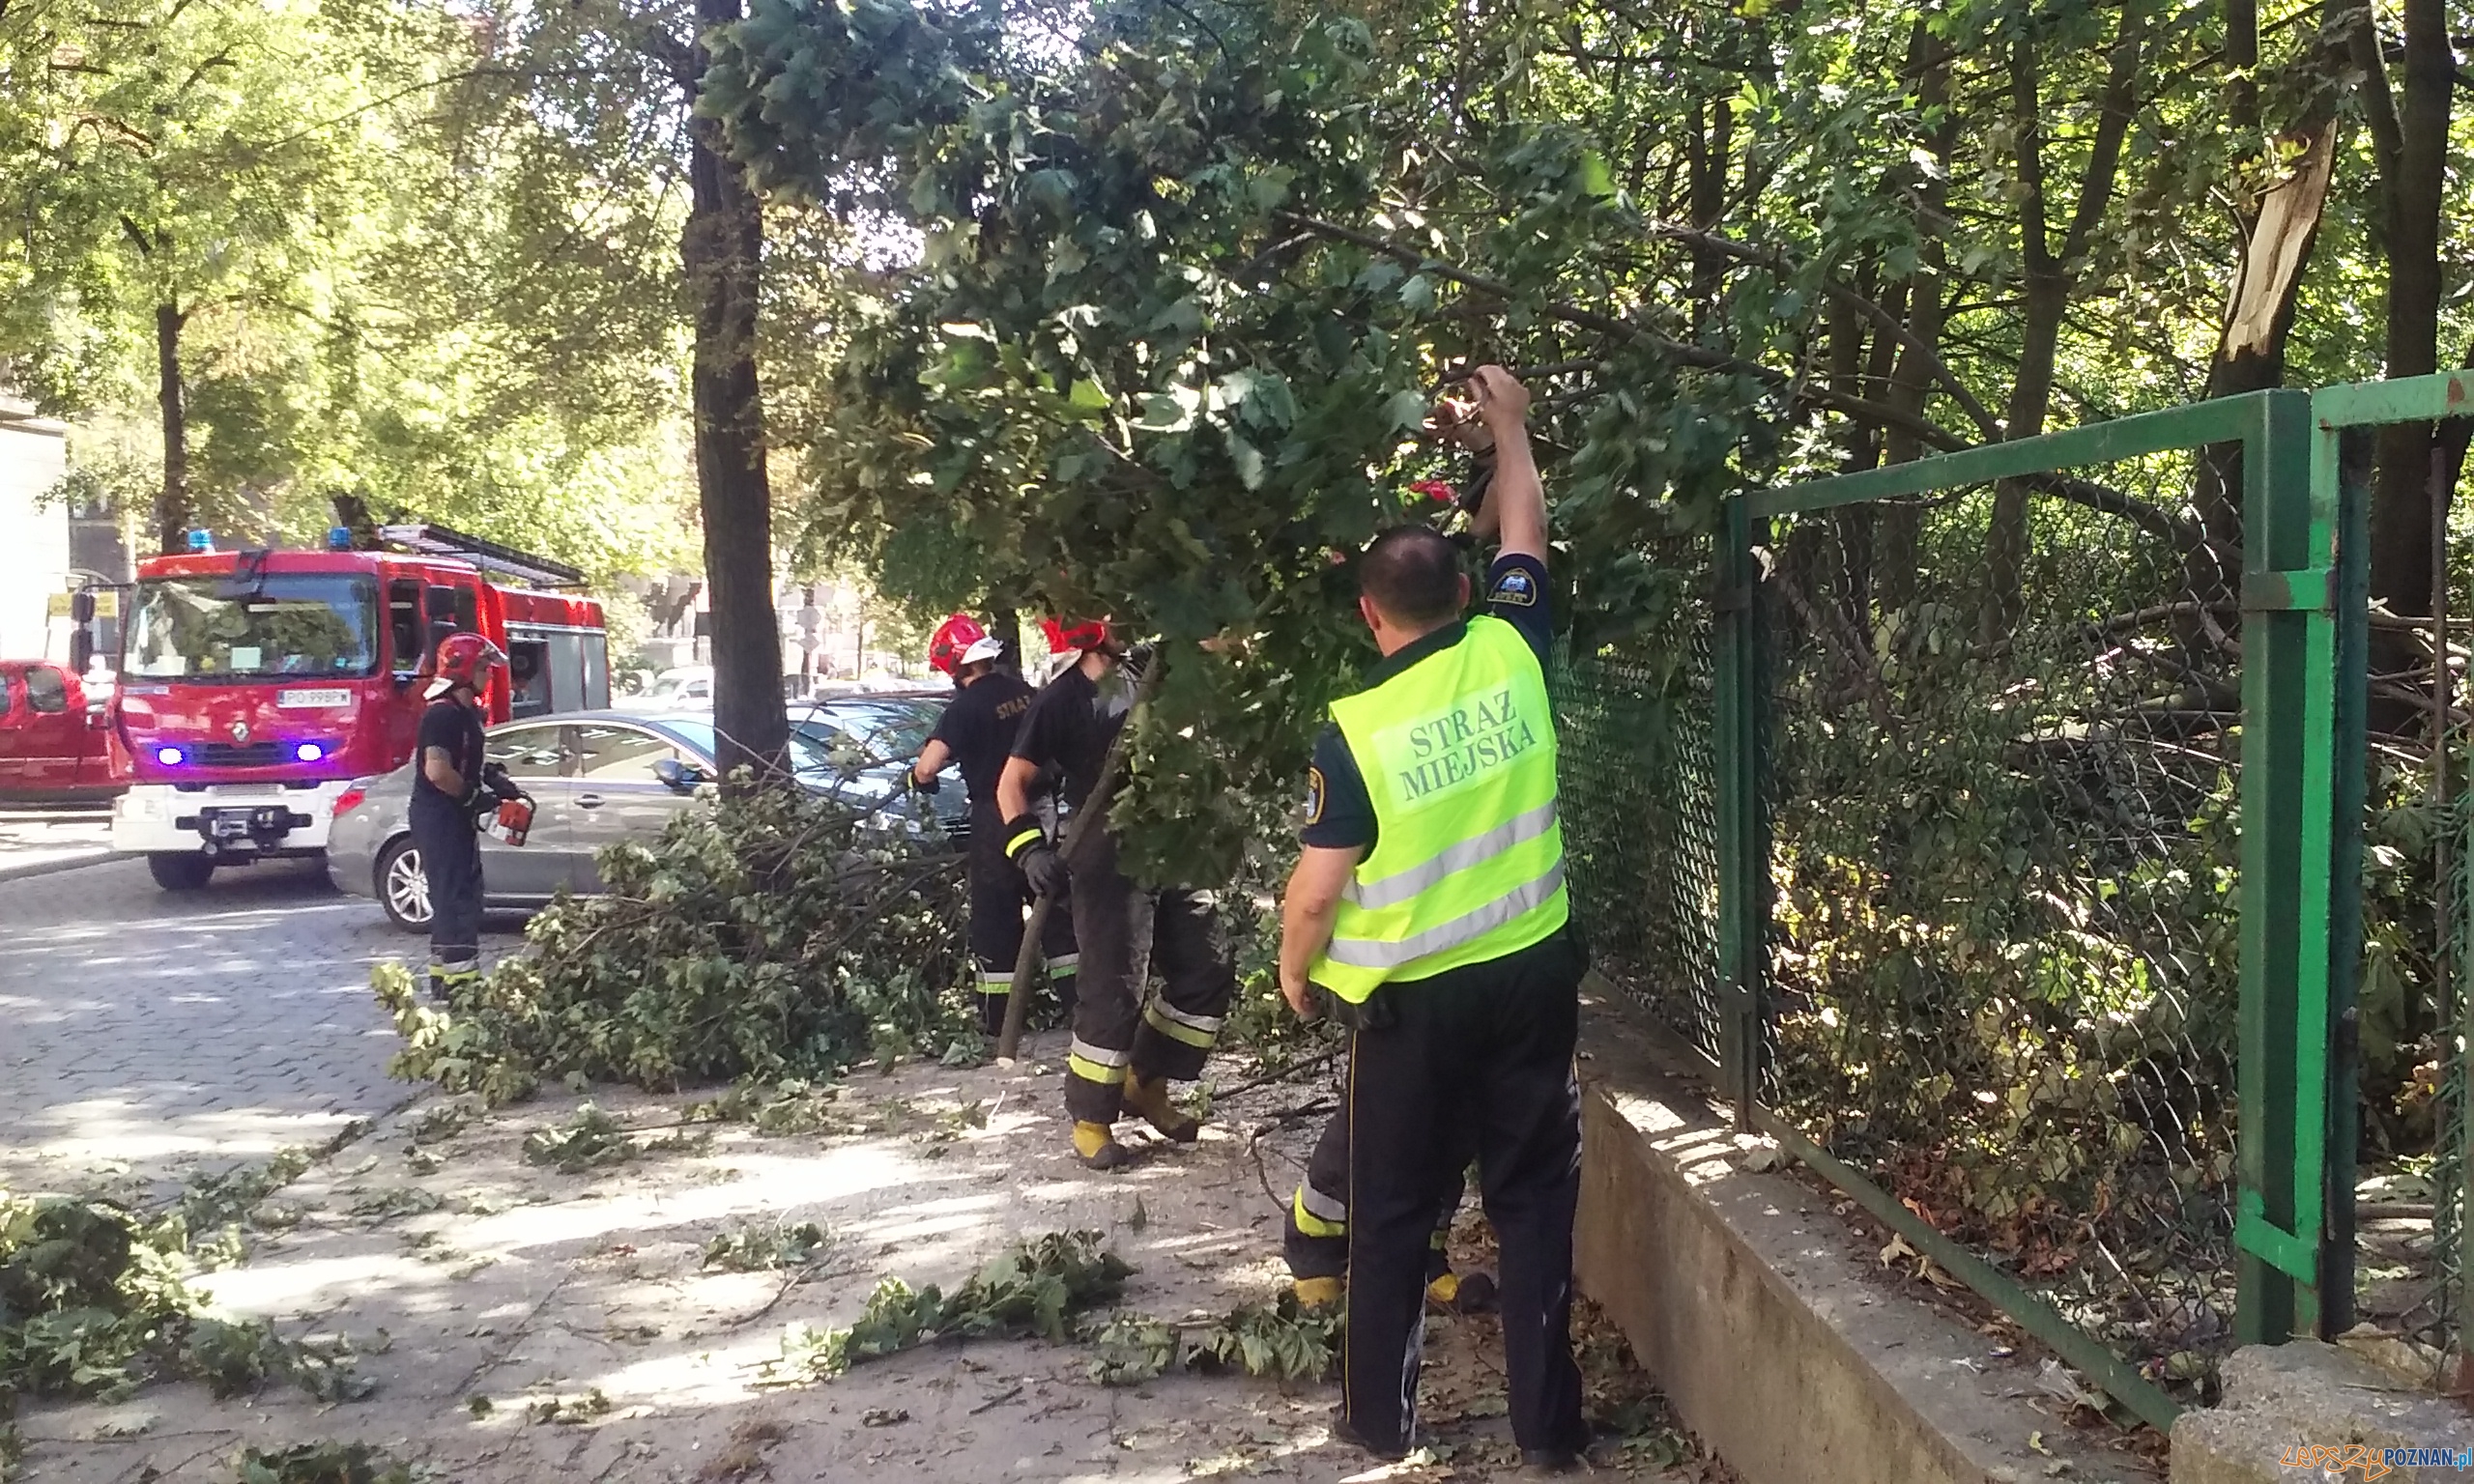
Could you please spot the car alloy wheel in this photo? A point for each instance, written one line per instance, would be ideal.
(405, 887)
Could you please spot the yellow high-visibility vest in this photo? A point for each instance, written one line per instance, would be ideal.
(1457, 752)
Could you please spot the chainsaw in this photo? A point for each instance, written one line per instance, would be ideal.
(502, 808)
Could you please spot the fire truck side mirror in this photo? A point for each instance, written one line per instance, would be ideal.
(81, 639)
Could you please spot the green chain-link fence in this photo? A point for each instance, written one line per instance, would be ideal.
(2413, 1255)
(2418, 899)
(2004, 891)
(1640, 825)
(2002, 973)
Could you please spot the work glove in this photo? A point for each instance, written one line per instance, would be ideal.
(912, 781)
(1027, 844)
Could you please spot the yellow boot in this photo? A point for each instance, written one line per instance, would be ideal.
(1318, 1293)
(1149, 1101)
(1452, 1294)
(1096, 1146)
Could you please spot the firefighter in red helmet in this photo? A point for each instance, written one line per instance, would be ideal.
(447, 791)
(976, 733)
(1125, 1051)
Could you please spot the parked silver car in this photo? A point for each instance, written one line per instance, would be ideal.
(596, 777)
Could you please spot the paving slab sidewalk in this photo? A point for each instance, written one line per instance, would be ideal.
(37, 841)
(528, 1324)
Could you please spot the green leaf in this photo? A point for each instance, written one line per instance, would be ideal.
(1596, 179)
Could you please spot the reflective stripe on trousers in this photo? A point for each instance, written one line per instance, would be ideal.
(1197, 1031)
(1096, 1064)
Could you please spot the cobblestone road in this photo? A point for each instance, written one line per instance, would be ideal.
(144, 1033)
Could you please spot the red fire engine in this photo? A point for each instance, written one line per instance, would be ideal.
(256, 684)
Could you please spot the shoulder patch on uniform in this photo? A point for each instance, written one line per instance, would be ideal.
(1515, 589)
(1314, 795)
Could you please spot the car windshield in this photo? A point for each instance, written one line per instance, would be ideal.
(885, 731)
(289, 624)
(805, 756)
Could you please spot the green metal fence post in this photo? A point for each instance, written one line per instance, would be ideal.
(2340, 479)
(2349, 751)
(1743, 854)
(2288, 728)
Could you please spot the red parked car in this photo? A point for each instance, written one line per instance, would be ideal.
(56, 744)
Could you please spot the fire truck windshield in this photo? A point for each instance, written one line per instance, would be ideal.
(287, 624)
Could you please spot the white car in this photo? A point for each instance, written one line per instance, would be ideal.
(688, 686)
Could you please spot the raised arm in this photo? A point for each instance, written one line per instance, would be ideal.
(1515, 506)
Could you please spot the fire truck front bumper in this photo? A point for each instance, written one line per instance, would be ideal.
(226, 822)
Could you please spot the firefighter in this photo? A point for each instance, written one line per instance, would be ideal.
(1428, 913)
(446, 792)
(976, 733)
(1125, 1052)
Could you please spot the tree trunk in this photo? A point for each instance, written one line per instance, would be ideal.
(172, 500)
(721, 250)
(2047, 293)
(1847, 351)
(1707, 144)
(2249, 352)
(1899, 528)
(2414, 164)
(2048, 278)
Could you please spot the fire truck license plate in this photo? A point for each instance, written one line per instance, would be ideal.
(315, 698)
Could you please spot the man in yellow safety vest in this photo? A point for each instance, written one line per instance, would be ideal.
(1427, 912)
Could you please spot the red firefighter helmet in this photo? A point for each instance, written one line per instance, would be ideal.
(464, 659)
(1080, 634)
(952, 640)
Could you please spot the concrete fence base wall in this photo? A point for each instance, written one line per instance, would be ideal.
(1746, 1295)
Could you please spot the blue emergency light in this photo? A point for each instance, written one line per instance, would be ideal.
(309, 752)
(201, 540)
(339, 538)
(170, 757)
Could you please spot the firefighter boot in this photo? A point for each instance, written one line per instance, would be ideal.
(1318, 1293)
(1150, 1099)
(1453, 1294)
(1096, 1146)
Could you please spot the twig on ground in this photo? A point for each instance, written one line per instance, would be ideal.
(1253, 1084)
(798, 1275)
(1278, 1121)
(998, 1400)
(1313, 1108)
